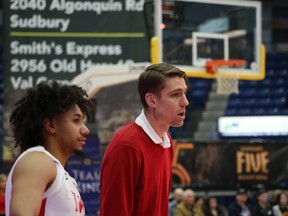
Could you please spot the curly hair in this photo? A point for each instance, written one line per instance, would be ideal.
(45, 101)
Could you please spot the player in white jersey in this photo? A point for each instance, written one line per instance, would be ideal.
(48, 126)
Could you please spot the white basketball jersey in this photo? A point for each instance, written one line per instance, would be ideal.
(61, 198)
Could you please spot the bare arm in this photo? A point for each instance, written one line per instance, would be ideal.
(32, 176)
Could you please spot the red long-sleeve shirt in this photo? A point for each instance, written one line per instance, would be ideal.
(135, 175)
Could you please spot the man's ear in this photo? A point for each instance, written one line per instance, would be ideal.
(151, 99)
(49, 125)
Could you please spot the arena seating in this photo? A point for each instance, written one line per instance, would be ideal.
(198, 91)
(266, 97)
(256, 98)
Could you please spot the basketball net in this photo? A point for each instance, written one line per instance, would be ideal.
(227, 82)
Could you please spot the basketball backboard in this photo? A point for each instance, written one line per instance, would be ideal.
(194, 31)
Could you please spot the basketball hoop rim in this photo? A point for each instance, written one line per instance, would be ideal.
(213, 65)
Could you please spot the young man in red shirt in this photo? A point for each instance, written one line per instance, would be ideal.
(136, 168)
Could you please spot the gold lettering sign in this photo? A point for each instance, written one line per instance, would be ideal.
(252, 163)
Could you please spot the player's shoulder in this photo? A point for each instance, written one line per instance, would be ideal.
(36, 161)
(34, 166)
(36, 156)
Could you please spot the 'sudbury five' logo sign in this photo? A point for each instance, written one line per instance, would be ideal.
(252, 163)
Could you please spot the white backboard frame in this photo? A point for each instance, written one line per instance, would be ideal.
(259, 70)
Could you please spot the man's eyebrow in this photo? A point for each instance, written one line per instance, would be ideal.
(179, 90)
(77, 114)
